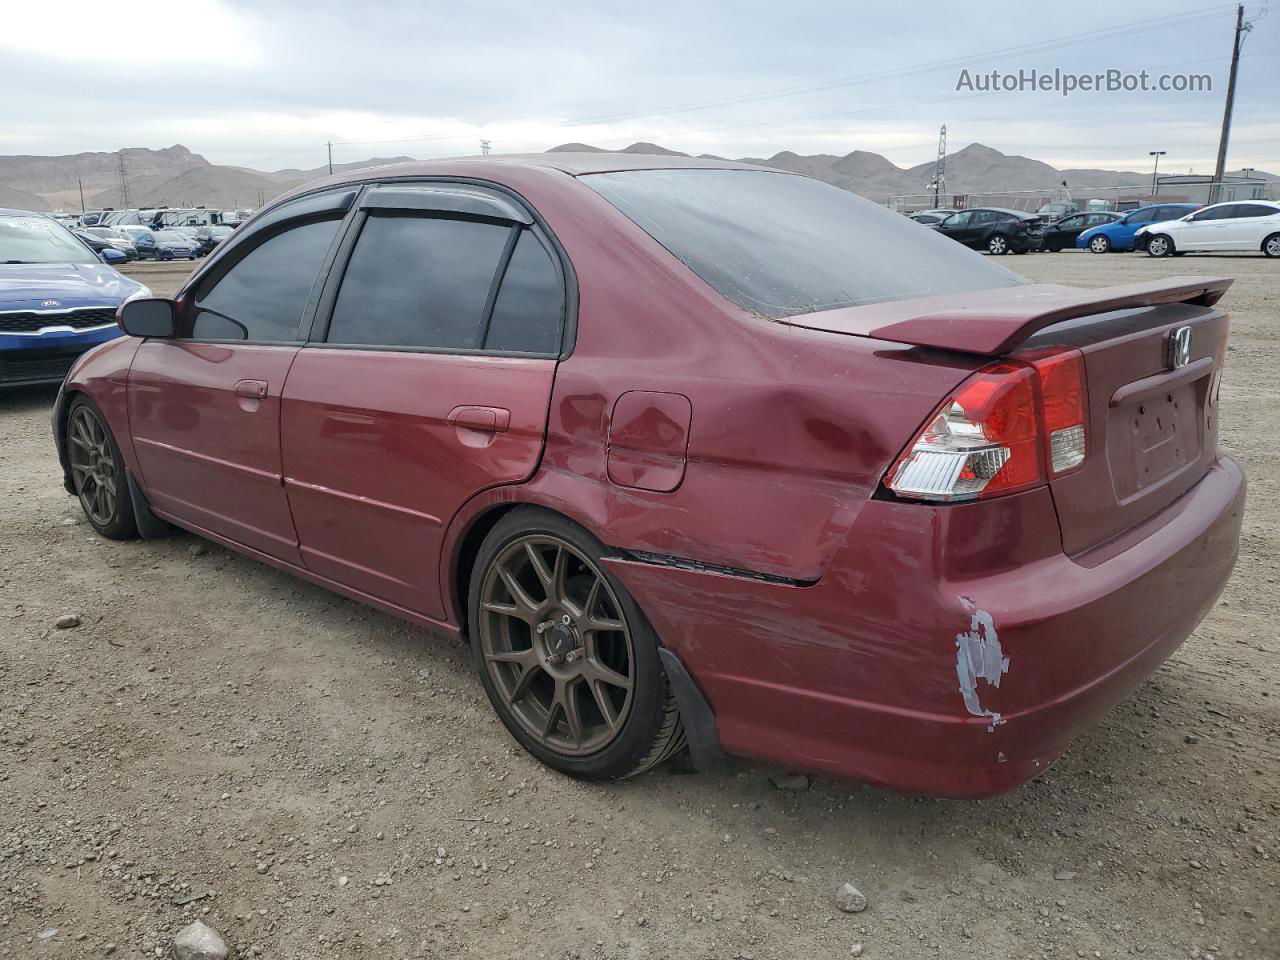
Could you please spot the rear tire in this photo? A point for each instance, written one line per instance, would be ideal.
(1161, 245)
(1271, 245)
(998, 245)
(567, 659)
(1099, 245)
(98, 473)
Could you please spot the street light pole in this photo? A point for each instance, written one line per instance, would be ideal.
(1157, 154)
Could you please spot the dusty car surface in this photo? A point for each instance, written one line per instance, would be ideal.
(694, 452)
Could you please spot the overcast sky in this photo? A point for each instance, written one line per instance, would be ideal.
(266, 83)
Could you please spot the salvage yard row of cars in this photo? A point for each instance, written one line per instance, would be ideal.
(137, 242)
(696, 454)
(1164, 229)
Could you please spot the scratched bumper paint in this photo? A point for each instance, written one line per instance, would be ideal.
(863, 675)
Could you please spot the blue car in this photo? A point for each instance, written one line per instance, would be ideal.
(57, 298)
(1119, 234)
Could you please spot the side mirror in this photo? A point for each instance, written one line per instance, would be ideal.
(112, 255)
(148, 318)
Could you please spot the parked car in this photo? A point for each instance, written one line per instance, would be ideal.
(930, 217)
(1120, 234)
(163, 245)
(1058, 236)
(96, 244)
(1057, 210)
(57, 298)
(117, 240)
(694, 453)
(1249, 225)
(193, 238)
(995, 230)
(213, 235)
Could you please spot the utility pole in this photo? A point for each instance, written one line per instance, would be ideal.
(124, 184)
(940, 167)
(1157, 154)
(329, 144)
(80, 183)
(1215, 189)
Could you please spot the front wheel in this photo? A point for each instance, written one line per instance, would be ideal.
(1099, 245)
(1159, 246)
(1271, 245)
(998, 245)
(98, 472)
(567, 659)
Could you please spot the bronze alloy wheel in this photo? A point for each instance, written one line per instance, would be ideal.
(93, 468)
(556, 645)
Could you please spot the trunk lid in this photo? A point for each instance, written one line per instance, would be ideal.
(1152, 416)
(1152, 408)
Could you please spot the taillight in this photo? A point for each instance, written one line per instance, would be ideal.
(1064, 402)
(996, 434)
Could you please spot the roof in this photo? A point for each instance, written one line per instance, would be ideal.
(1024, 214)
(574, 164)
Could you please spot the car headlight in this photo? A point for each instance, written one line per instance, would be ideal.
(142, 293)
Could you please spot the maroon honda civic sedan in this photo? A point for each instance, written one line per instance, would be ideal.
(697, 454)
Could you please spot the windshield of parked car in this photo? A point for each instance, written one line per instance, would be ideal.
(40, 240)
(780, 245)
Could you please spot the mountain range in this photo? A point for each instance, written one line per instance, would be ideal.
(976, 168)
(174, 176)
(177, 177)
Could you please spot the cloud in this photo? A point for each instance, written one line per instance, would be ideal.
(266, 84)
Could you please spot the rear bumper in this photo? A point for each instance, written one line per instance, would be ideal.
(890, 668)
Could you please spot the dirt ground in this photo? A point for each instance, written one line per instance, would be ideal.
(335, 785)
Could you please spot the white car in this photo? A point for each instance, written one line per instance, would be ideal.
(1238, 225)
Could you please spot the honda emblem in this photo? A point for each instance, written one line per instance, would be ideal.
(1179, 347)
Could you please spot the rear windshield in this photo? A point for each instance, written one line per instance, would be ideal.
(780, 245)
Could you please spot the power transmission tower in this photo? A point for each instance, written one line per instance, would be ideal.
(484, 148)
(940, 168)
(1215, 189)
(124, 184)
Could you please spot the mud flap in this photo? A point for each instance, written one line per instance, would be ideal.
(150, 527)
(699, 722)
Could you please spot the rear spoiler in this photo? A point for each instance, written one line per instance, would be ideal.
(993, 322)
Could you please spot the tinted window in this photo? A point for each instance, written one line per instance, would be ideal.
(1253, 210)
(418, 282)
(779, 245)
(527, 313)
(1141, 216)
(263, 295)
(959, 219)
(1070, 223)
(1213, 213)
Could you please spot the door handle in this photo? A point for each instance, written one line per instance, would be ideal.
(484, 419)
(251, 389)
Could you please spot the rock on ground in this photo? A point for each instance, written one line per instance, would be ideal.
(850, 899)
(199, 942)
